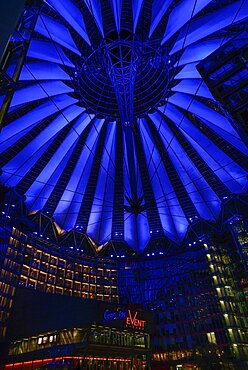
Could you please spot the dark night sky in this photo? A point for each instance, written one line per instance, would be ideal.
(9, 14)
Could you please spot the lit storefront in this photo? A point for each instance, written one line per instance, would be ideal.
(103, 335)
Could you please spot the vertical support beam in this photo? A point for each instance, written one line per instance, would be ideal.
(118, 209)
(121, 64)
(15, 54)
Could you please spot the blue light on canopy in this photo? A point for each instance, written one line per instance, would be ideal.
(43, 71)
(47, 27)
(158, 10)
(137, 6)
(71, 13)
(116, 5)
(205, 200)
(100, 220)
(181, 14)
(48, 177)
(172, 217)
(111, 128)
(188, 71)
(200, 50)
(39, 91)
(194, 87)
(19, 127)
(210, 23)
(70, 202)
(222, 124)
(27, 157)
(94, 7)
(49, 51)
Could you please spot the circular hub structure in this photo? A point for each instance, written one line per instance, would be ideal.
(139, 71)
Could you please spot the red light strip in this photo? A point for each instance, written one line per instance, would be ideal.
(35, 362)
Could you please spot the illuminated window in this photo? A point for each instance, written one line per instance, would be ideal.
(52, 338)
(211, 337)
(40, 340)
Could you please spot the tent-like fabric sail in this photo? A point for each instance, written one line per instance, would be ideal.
(82, 145)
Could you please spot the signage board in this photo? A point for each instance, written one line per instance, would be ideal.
(131, 319)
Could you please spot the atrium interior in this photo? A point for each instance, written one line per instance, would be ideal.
(123, 184)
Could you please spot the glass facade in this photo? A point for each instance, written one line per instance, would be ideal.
(198, 296)
(226, 74)
(96, 335)
(199, 300)
(36, 267)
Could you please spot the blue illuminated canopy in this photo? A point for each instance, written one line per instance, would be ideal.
(111, 129)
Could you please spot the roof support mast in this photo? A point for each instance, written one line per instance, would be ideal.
(121, 60)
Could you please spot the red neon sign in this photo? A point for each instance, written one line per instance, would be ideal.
(133, 322)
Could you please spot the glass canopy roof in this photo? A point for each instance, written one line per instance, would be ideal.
(111, 129)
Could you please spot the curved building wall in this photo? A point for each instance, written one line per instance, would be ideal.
(197, 294)
(36, 266)
(56, 272)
